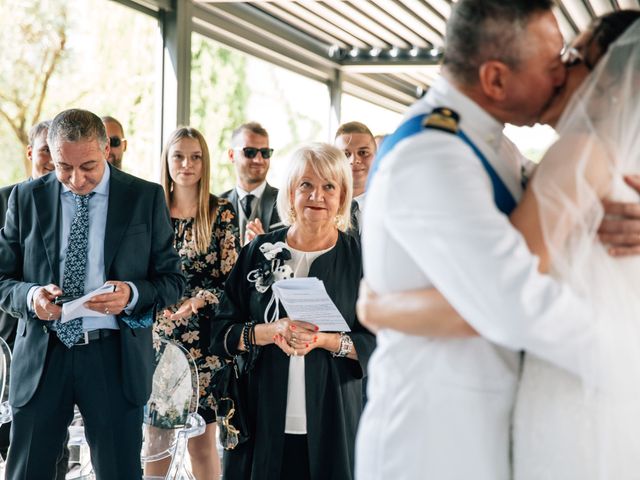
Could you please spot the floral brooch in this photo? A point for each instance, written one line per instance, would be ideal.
(272, 268)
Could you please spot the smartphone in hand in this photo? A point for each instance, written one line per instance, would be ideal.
(62, 299)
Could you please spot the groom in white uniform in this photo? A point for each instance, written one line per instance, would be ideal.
(441, 408)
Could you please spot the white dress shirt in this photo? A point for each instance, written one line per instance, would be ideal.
(360, 201)
(441, 408)
(255, 209)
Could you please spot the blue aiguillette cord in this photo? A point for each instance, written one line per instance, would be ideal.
(501, 195)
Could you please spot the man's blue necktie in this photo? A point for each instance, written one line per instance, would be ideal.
(75, 268)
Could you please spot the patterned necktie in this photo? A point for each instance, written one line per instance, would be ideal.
(75, 267)
(355, 223)
(247, 205)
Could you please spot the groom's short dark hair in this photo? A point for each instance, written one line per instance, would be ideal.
(481, 30)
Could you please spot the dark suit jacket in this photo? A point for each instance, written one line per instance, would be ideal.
(8, 323)
(138, 247)
(268, 210)
(333, 385)
(4, 202)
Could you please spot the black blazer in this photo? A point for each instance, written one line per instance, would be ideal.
(268, 210)
(138, 247)
(333, 385)
(8, 323)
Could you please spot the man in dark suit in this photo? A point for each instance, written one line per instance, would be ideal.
(253, 198)
(68, 233)
(41, 164)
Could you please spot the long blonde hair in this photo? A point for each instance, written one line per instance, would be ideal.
(207, 203)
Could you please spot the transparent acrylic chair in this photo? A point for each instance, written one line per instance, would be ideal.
(5, 408)
(170, 416)
(79, 454)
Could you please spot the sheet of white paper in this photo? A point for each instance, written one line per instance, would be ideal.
(306, 299)
(76, 308)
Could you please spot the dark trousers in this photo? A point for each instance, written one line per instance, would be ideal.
(62, 465)
(88, 376)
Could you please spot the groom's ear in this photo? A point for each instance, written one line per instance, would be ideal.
(493, 79)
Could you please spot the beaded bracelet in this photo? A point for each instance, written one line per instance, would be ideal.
(249, 335)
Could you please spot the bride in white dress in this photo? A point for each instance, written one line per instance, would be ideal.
(567, 427)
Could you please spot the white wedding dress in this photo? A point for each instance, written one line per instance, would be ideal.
(587, 426)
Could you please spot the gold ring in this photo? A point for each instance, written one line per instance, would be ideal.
(106, 311)
(295, 354)
(50, 315)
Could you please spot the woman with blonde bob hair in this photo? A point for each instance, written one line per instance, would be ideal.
(304, 388)
(326, 163)
(206, 238)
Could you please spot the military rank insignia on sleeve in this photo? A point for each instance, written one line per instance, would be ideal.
(442, 118)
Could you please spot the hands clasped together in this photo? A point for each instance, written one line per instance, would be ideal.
(107, 303)
(297, 338)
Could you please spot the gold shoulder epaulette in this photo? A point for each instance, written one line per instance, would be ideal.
(443, 119)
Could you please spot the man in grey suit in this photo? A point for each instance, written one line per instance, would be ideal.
(70, 233)
(253, 198)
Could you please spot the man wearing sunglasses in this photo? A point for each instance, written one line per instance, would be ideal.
(253, 198)
(117, 142)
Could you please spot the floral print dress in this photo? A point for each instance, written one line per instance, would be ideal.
(205, 274)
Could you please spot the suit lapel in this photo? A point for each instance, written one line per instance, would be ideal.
(47, 201)
(117, 219)
(233, 199)
(266, 206)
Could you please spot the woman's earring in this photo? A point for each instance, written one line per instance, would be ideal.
(339, 220)
(292, 215)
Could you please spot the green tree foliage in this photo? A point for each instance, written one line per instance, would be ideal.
(33, 42)
(60, 54)
(219, 94)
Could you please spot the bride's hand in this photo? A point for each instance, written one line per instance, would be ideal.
(620, 228)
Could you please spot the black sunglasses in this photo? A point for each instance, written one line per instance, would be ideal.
(115, 142)
(251, 152)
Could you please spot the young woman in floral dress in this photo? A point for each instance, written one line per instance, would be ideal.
(206, 237)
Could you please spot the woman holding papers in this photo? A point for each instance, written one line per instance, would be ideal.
(206, 238)
(304, 386)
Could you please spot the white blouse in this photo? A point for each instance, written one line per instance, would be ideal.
(296, 416)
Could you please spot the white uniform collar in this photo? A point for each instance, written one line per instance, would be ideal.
(475, 121)
(484, 130)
